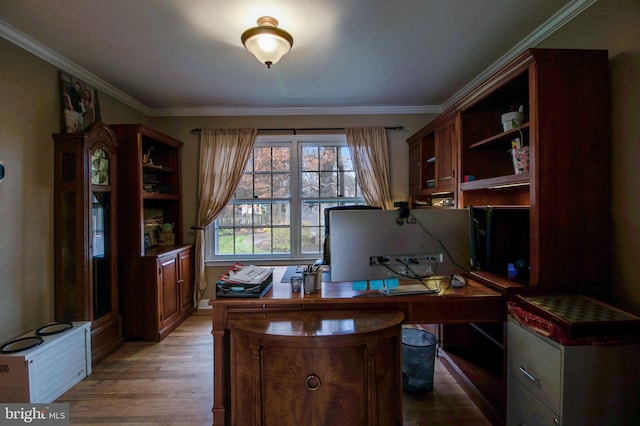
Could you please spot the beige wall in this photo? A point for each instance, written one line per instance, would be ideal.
(28, 116)
(30, 113)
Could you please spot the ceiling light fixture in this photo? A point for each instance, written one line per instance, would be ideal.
(267, 42)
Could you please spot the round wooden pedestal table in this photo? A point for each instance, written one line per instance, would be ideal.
(316, 368)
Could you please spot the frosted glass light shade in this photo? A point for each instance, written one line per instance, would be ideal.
(267, 42)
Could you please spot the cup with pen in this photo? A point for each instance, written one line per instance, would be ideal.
(312, 279)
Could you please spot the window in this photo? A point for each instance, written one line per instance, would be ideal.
(278, 207)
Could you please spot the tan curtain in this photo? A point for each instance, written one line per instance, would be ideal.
(370, 153)
(223, 155)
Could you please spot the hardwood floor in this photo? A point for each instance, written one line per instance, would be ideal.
(171, 383)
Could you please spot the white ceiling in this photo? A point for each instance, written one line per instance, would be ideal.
(184, 57)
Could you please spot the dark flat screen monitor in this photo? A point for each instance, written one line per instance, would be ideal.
(379, 244)
(499, 237)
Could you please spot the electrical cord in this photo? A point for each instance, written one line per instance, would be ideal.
(444, 248)
(423, 279)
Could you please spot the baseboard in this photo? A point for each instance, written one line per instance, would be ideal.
(204, 304)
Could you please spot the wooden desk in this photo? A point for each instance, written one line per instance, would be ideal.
(472, 303)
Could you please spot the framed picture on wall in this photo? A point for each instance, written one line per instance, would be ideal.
(80, 105)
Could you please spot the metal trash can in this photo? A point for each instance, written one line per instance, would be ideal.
(418, 357)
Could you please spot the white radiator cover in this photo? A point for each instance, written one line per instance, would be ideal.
(43, 373)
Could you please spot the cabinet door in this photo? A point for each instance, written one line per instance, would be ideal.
(186, 279)
(168, 290)
(445, 156)
(414, 166)
(290, 396)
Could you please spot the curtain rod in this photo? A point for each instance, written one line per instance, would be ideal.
(306, 129)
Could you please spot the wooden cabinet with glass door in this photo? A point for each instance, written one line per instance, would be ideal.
(432, 163)
(156, 267)
(85, 235)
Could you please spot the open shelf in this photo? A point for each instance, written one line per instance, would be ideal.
(473, 354)
(499, 138)
(155, 168)
(498, 182)
(159, 196)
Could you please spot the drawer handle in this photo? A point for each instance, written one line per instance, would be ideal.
(313, 382)
(530, 376)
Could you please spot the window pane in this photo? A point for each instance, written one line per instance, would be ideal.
(312, 235)
(328, 159)
(281, 185)
(309, 158)
(245, 187)
(262, 159)
(242, 214)
(243, 241)
(281, 240)
(248, 168)
(262, 186)
(281, 214)
(329, 185)
(263, 241)
(226, 216)
(225, 241)
(260, 216)
(310, 184)
(310, 213)
(349, 188)
(311, 239)
(344, 158)
(281, 159)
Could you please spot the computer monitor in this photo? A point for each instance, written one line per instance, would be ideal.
(380, 244)
(326, 250)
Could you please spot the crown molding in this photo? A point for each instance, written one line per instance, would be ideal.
(566, 14)
(557, 21)
(48, 55)
(274, 111)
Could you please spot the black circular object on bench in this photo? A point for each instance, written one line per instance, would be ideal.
(54, 328)
(21, 344)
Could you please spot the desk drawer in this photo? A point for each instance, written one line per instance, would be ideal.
(535, 363)
(525, 409)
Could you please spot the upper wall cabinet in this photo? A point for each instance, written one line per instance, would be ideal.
(432, 163)
(552, 161)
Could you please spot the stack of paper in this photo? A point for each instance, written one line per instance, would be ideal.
(249, 274)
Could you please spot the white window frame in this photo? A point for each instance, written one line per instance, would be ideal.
(296, 142)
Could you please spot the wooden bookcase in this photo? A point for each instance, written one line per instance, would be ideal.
(566, 127)
(565, 98)
(156, 276)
